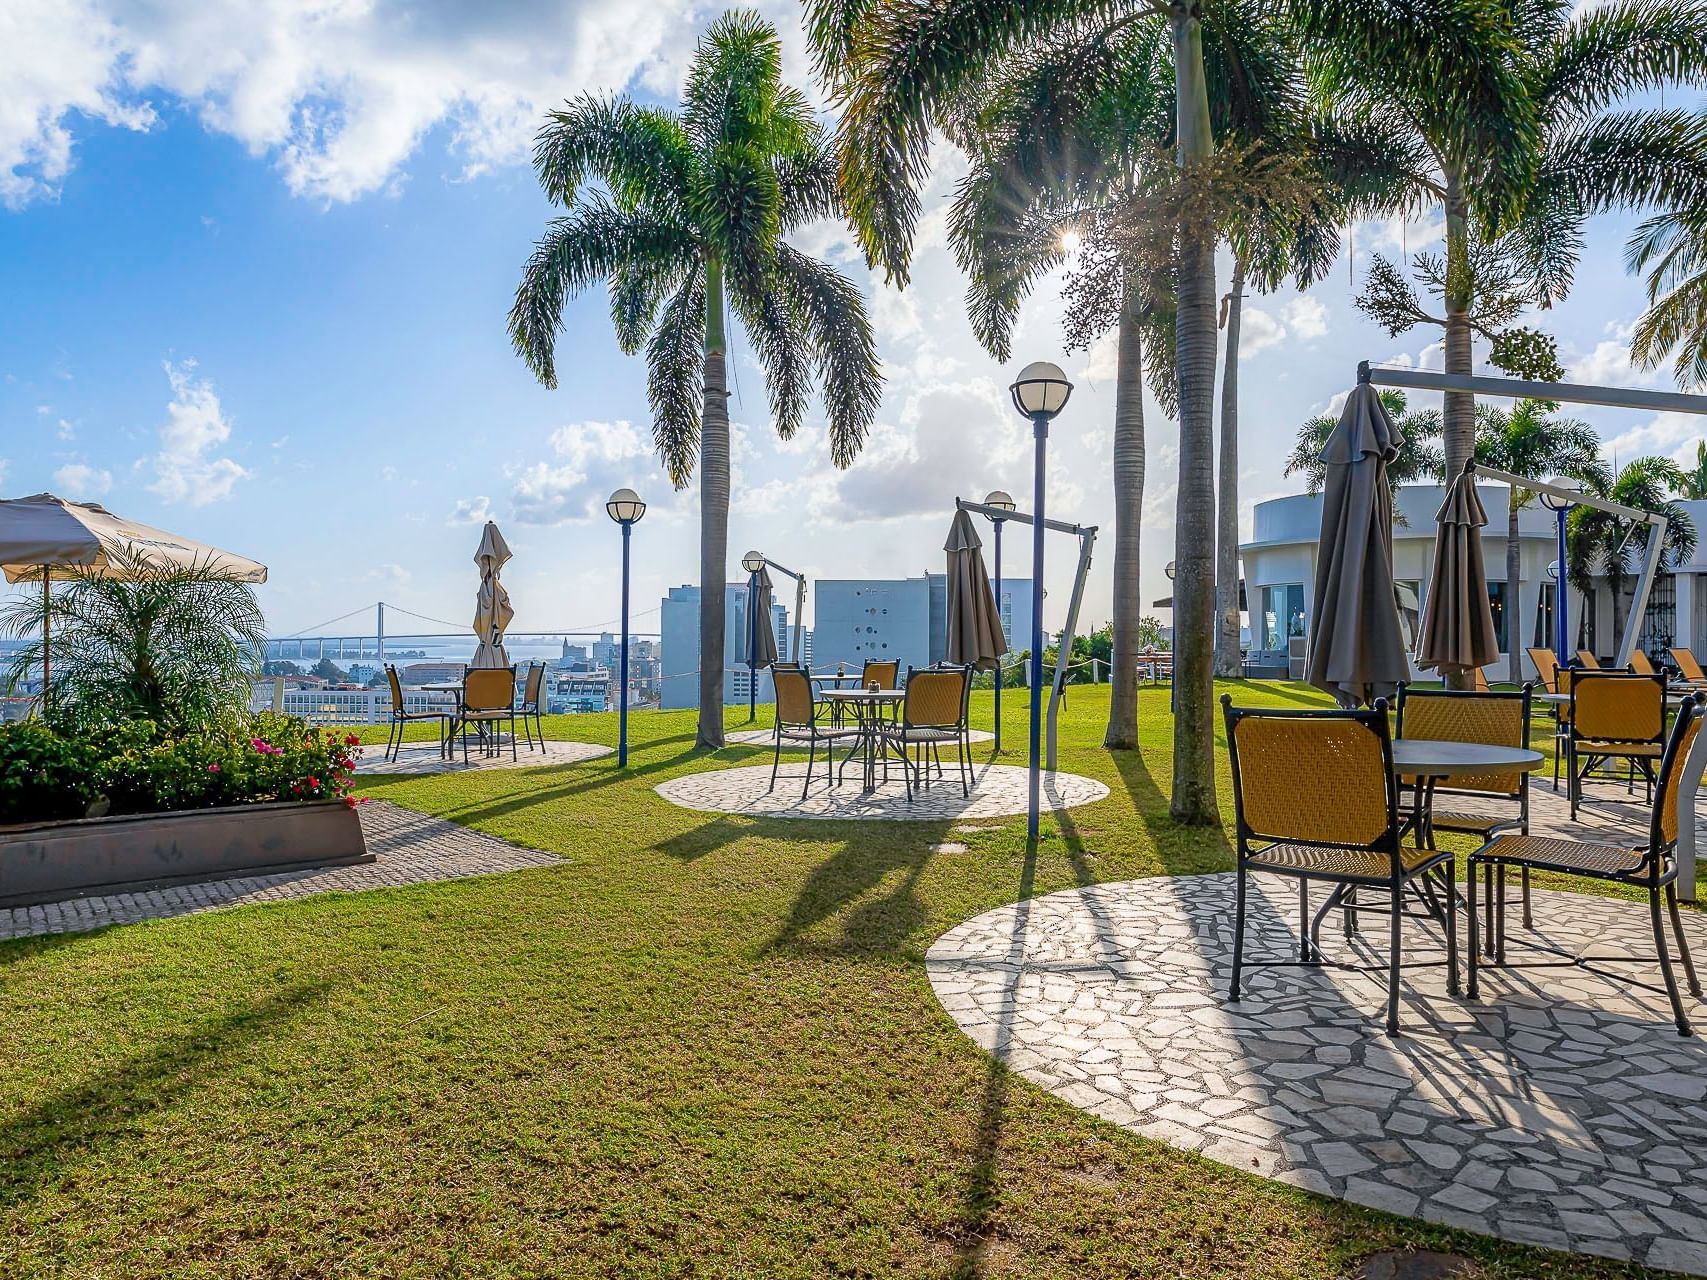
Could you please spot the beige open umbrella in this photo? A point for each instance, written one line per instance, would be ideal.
(1357, 650)
(492, 612)
(44, 538)
(974, 618)
(1458, 621)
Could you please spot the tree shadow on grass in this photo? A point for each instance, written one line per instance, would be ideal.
(44, 1144)
(869, 852)
(1181, 850)
(20, 950)
(1285, 691)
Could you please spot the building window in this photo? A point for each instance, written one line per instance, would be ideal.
(1282, 614)
(1496, 603)
(1659, 620)
(1544, 617)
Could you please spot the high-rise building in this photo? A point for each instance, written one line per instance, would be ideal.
(678, 627)
(898, 619)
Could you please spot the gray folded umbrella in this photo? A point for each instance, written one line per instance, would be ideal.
(1357, 649)
(761, 635)
(974, 617)
(1458, 622)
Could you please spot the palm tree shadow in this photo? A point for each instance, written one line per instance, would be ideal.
(43, 1144)
(1182, 850)
(869, 852)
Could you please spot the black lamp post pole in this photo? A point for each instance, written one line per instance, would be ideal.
(622, 695)
(1040, 434)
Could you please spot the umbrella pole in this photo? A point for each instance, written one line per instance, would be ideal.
(46, 638)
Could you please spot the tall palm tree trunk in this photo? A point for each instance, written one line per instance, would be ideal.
(1122, 731)
(1459, 436)
(1193, 801)
(713, 514)
(1227, 655)
(1513, 590)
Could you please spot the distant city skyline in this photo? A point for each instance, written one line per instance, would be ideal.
(257, 285)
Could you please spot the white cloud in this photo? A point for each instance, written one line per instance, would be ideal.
(80, 480)
(1672, 435)
(59, 59)
(1258, 331)
(185, 469)
(1608, 365)
(337, 93)
(477, 510)
(591, 459)
(1306, 317)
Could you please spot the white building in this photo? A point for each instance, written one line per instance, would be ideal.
(900, 619)
(678, 626)
(1279, 564)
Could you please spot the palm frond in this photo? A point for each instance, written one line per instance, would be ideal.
(1609, 51)
(843, 347)
(675, 385)
(779, 337)
(593, 243)
(733, 83)
(639, 153)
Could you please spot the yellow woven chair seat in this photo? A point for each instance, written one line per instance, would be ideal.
(1480, 824)
(1635, 750)
(1566, 855)
(1363, 864)
(926, 733)
(803, 733)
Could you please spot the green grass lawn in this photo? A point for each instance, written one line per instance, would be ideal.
(702, 1046)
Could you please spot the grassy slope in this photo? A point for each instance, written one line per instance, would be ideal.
(703, 1046)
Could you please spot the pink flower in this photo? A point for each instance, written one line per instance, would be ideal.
(213, 768)
(350, 740)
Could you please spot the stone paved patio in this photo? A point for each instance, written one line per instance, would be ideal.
(424, 757)
(1559, 1109)
(767, 738)
(410, 848)
(998, 790)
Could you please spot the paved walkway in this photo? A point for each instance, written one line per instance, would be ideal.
(409, 848)
(998, 790)
(1559, 1109)
(424, 757)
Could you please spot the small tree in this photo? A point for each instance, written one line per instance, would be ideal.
(1419, 460)
(1601, 542)
(177, 646)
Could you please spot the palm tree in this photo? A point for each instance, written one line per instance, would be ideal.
(176, 646)
(1527, 441)
(1419, 460)
(1672, 249)
(1694, 483)
(1608, 544)
(1507, 106)
(1054, 139)
(688, 223)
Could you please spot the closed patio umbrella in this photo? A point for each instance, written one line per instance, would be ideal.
(492, 612)
(761, 635)
(1357, 650)
(974, 618)
(1458, 621)
(43, 538)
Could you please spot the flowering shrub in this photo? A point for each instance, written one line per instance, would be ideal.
(47, 774)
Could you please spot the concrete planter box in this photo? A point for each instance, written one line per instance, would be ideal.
(51, 861)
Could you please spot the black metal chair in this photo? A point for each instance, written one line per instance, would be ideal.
(1615, 715)
(1315, 799)
(799, 718)
(1649, 866)
(401, 716)
(934, 712)
(533, 698)
(488, 700)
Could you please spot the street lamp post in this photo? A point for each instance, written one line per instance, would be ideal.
(1001, 500)
(1040, 392)
(752, 562)
(1173, 686)
(1561, 630)
(625, 507)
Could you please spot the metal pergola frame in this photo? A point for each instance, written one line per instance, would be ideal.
(1087, 536)
(1610, 397)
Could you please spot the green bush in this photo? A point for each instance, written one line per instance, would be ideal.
(71, 771)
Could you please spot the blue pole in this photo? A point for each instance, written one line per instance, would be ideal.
(622, 697)
(999, 524)
(752, 648)
(1561, 625)
(1040, 433)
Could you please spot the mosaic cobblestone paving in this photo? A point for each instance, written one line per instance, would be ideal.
(998, 790)
(409, 848)
(1558, 1109)
(767, 738)
(424, 757)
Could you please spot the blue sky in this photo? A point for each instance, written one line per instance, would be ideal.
(256, 269)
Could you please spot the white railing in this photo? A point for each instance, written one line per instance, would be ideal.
(343, 706)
